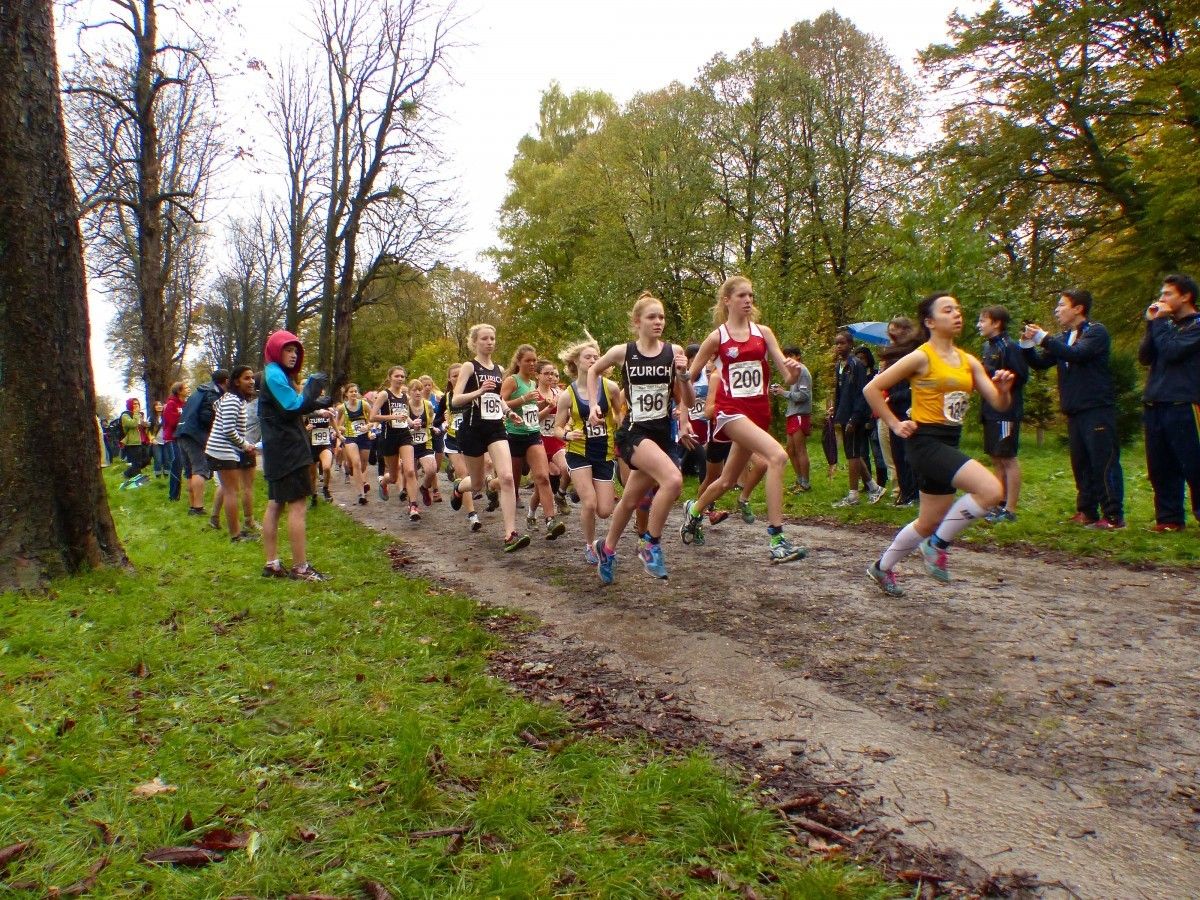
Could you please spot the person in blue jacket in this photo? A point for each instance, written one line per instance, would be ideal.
(286, 456)
(1002, 429)
(1171, 417)
(1089, 401)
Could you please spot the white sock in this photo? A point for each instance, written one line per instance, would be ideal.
(904, 543)
(964, 511)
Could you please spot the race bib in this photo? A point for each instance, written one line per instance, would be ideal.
(697, 410)
(491, 407)
(456, 423)
(420, 436)
(746, 379)
(954, 406)
(548, 426)
(595, 431)
(647, 402)
(359, 427)
(320, 436)
(398, 408)
(529, 415)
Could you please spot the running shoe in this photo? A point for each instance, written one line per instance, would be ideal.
(744, 510)
(848, 500)
(455, 498)
(437, 495)
(560, 502)
(426, 497)
(515, 541)
(243, 536)
(382, 488)
(214, 523)
(307, 573)
(1082, 519)
(328, 496)
(193, 510)
(574, 496)
(414, 514)
(717, 516)
(783, 550)
(876, 495)
(531, 522)
(589, 555)
(605, 562)
(652, 559)
(493, 499)
(362, 501)
(691, 531)
(1164, 527)
(885, 580)
(805, 485)
(554, 529)
(473, 521)
(1006, 515)
(274, 570)
(935, 560)
(403, 495)
(140, 479)
(1107, 525)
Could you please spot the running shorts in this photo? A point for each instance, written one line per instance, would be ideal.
(474, 440)
(519, 444)
(627, 440)
(390, 442)
(933, 455)
(803, 424)
(1001, 439)
(716, 452)
(601, 471)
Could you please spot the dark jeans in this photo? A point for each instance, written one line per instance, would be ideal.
(1173, 459)
(177, 469)
(876, 452)
(138, 456)
(1096, 463)
(904, 473)
(158, 453)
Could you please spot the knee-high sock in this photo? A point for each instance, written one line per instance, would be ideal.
(904, 543)
(964, 511)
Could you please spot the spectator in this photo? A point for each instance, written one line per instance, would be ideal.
(1002, 430)
(1088, 399)
(899, 401)
(191, 435)
(158, 452)
(172, 410)
(799, 420)
(286, 451)
(135, 444)
(1171, 348)
(230, 454)
(867, 358)
(852, 415)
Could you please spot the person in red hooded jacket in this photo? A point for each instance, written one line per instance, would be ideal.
(286, 456)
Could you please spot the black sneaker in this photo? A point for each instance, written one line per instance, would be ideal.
(275, 570)
(414, 514)
(493, 501)
(455, 498)
(328, 496)
(195, 510)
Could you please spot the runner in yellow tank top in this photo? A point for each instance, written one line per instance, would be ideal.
(942, 378)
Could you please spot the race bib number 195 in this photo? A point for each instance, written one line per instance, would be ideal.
(491, 407)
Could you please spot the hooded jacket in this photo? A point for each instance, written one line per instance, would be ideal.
(281, 410)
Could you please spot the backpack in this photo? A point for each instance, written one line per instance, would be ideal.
(198, 413)
(114, 431)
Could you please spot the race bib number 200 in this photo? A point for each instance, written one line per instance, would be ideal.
(746, 379)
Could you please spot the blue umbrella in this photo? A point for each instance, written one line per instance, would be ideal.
(869, 332)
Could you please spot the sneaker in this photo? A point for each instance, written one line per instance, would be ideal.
(573, 497)
(414, 514)
(805, 485)
(589, 555)
(561, 504)
(994, 515)
(426, 496)
(382, 488)
(1007, 515)
(473, 521)
(605, 562)
(274, 570)
(328, 496)
(1106, 525)
(1082, 519)
(515, 541)
(906, 502)
(493, 501)
(195, 510)
(885, 580)
(1163, 527)
(307, 573)
(848, 500)
(935, 561)
(403, 495)
(717, 516)
(437, 495)
(214, 523)
(141, 479)
(652, 559)
(876, 495)
(531, 522)
(744, 510)
(783, 550)
(455, 498)
(554, 529)
(691, 531)
(362, 501)
(242, 536)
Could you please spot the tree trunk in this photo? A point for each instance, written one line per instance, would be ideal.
(54, 516)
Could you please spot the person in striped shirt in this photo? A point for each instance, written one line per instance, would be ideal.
(229, 453)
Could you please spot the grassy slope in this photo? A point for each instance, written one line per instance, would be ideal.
(357, 710)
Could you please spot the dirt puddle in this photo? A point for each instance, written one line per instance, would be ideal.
(1030, 716)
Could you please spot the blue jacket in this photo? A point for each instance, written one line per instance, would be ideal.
(196, 417)
(1002, 352)
(1084, 379)
(1172, 351)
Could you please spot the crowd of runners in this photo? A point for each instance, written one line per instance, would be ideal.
(575, 423)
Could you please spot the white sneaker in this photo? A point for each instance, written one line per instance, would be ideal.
(876, 495)
(848, 500)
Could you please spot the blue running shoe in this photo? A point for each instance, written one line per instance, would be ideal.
(605, 562)
(589, 555)
(935, 561)
(652, 559)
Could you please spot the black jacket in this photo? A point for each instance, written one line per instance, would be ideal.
(1002, 352)
(1084, 379)
(1172, 351)
(281, 412)
(850, 407)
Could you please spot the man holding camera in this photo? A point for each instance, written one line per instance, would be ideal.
(1088, 399)
(1171, 348)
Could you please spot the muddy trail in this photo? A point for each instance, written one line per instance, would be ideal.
(1031, 717)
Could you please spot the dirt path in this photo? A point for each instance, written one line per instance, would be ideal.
(1031, 716)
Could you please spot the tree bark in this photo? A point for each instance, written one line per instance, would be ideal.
(54, 516)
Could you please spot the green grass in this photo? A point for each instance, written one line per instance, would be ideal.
(1047, 501)
(358, 711)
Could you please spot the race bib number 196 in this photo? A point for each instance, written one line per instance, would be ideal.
(647, 401)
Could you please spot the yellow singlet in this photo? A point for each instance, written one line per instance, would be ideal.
(941, 395)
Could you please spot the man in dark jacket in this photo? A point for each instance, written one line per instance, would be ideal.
(286, 452)
(191, 434)
(1088, 399)
(1171, 348)
(1002, 429)
(852, 415)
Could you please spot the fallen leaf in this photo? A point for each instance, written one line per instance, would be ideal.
(106, 835)
(454, 845)
(252, 847)
(307, 835)
(84, 884)
(154, 788)
(223, 839)
(187, 824)
(64, 726)
(376, 891)
(12, 851)
(182, 856)
(141, 670)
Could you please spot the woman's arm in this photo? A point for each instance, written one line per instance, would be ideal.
(997, 390)
(562, 415)
(789, 368)
(615, 356)
(914, 364)
(707, 348)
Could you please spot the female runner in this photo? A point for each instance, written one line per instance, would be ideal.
(424, 457)
(393, 408)
(458, 464)
(942, 378)
(743, 409)
(353, 421)
(652, 371)
(556, 447)
(519, 392)
(477, 393)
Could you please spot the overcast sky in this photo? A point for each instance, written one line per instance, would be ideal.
(511, 50)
